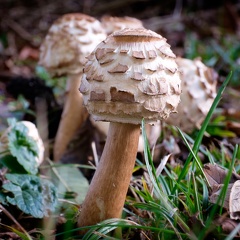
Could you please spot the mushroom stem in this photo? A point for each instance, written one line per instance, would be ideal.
(74, 114)
(108, 189)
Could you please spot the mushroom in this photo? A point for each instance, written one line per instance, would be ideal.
(198, 93)
(32, 133)
(112, 24)
(63, 52)
(129, 76)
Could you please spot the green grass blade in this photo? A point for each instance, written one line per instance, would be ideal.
(196, 197)
(168, 205)
(205, 195)
(199, 137)
(153, 175)
(149, 163)
(227, 180)
(194, 156)
(99, 230)
(23, 236)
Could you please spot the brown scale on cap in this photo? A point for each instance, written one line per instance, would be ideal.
(144, 71)
(198, 92)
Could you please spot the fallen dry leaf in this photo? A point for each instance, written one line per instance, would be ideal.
(216, 175)
(234, 201)
(215, 193)
(28, 52)
(229, 225)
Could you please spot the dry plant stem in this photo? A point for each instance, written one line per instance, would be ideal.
(73, 116)
(42, 123)
(108, 189)
(10, 216)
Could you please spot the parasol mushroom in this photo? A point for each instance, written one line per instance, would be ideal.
(129, 76)
(112, 24)
(63, 52)
(198, 92)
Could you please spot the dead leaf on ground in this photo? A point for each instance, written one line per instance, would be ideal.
(234, 201)
(216, 176)
(229, 225)
(28, 53)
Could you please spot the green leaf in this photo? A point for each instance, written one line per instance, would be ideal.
(3, 198)
(199, 137)
(69, 179)
(11, 163)
(217, 131)
(42, 73)
(33, 195)
(23, 147)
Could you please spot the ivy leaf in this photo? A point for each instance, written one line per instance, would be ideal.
(33, 195)
(23, 147)
(3, 198)
(11, 163)
(70, 189)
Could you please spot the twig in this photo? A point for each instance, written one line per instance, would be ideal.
(18, 29)
(9, 215)
(42, 122)
(93, 144)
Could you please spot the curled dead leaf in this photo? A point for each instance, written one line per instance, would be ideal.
(234, 201)
(216, 176)
(229, 225)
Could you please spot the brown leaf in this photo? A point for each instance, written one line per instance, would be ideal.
(28, 52)
(9, 235)
(216, 174)
(229, 225)
(216, 190)
(234, 201)
(233, 126)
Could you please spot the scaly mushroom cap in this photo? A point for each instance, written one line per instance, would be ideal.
(32, 133)
(112, 24)
(198, 92)
(69, 40)
(129, 76)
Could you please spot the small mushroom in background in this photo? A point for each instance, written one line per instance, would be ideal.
(32, 133)
(129, 76)
(63, 52)
(198, 92)
(112, 24)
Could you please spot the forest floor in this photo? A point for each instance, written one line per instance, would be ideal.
(200, 30)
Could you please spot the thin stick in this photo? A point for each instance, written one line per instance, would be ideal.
(9, 215)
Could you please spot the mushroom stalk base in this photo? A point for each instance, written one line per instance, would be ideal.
(107, 192)
(73, 116)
